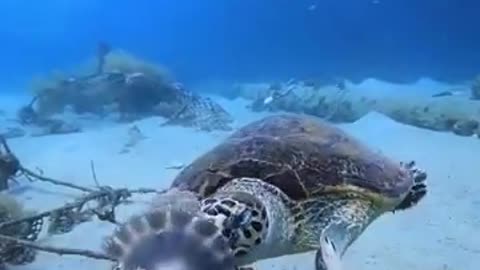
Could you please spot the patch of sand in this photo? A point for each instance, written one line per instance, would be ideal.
(440, 233)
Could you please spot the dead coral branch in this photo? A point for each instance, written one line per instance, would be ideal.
(57, 250)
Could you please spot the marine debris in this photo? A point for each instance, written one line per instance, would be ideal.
(42, 125)
(19, 230)
(26, 115)
(12, 253)
(9, 164)
(203, 114)
(171, 206)
(103, 49)
(127, 87)
(337, 103)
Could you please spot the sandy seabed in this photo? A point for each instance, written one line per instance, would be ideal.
(440, 233)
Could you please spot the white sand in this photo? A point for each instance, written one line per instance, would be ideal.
(441, 233)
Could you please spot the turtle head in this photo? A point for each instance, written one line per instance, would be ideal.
(169, 239)
(241, 217)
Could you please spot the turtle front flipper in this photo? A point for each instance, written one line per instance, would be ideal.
(170, 239)
(335, 223)
(419, 188)
(327, 258)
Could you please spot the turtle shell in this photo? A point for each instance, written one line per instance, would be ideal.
(301, 155)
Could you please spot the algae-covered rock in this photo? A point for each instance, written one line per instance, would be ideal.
(112, 77)
(465, 127)
(127, 86)
(333, 103)
(456, 114)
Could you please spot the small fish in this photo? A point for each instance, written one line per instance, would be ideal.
(341, 85)
(178, 86)
(175, 167)
(291, 81)
(312, 7)
(448, 93)
(268, 100)
(132, 76)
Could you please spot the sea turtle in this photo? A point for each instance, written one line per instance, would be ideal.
(289, 184)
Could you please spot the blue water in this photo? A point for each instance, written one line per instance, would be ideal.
(249, 39)
(435, 43)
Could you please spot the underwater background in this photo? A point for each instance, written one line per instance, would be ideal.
(387, 39)
(105, 104)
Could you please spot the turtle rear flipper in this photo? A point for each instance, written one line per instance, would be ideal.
(169, 239)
